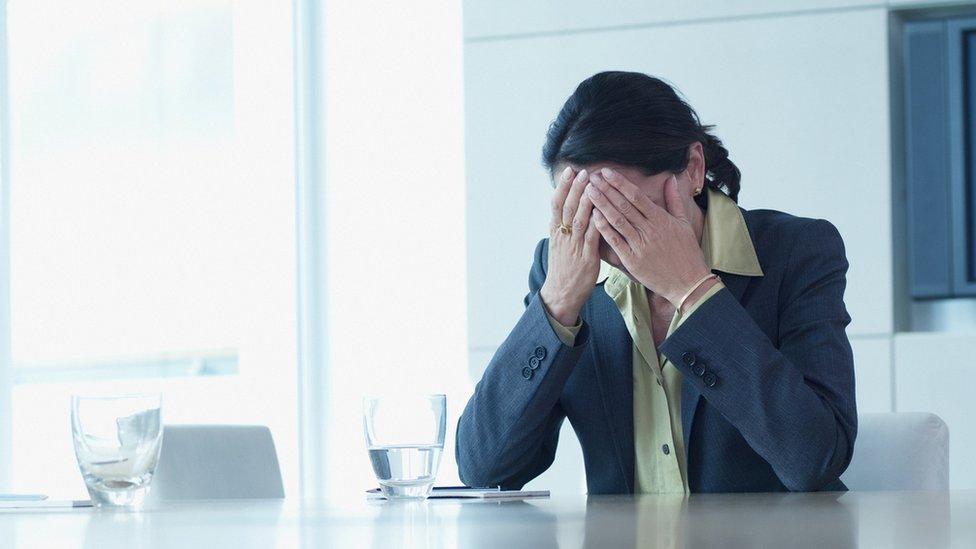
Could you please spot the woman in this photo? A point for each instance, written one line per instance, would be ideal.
(694, 346)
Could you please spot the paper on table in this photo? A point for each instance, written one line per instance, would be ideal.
(463, 492)
(44, 503)
(22, 497)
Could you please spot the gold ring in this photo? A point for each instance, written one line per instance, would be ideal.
(565, 229)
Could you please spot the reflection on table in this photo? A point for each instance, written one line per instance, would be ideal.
(853, 519)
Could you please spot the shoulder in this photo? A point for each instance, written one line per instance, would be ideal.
(767, 225)
(777, 235)
(540, 259)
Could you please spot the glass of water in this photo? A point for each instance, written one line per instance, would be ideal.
(405, 438)
(117, 441)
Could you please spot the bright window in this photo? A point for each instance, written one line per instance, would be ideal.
(152, 218)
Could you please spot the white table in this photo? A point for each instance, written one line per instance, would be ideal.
(867, 519)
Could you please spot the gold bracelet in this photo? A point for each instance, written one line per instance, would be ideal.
(698, 284)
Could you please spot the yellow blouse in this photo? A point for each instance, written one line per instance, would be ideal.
(660, 464)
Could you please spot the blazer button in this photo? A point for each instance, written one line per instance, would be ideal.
(688, 358)
(540, 352)
(698, 369)
(710, 379)
(527, 373)
(533, 362)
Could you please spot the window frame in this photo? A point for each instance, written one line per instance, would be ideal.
(6, 377)
(962, 198)
(943, 165)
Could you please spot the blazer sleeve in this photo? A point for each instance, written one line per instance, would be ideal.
(509, 429)
(793, 404)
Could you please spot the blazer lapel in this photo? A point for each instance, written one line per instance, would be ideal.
(690, 395)
(612, 350)
(736, 284)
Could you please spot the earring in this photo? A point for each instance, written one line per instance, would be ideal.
(698, 191)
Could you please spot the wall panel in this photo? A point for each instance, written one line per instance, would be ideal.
(498, 18)
(804, 113)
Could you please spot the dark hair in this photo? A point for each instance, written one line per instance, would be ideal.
(635, 120)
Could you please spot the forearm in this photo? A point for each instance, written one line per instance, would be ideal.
(803, 433)
(506, 421)
(699, 294)
(561, 305)
(566, 334)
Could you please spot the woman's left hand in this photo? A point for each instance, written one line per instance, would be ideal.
(658, 247)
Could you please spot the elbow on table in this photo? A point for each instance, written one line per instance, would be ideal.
(474, 472)
(815, 476)
(472, 478)
(474, 467)
(480, 468)
(813, 482)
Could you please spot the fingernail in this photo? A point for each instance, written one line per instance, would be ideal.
(607, 172)
(582, 174)
(592, 190)
(566, 172)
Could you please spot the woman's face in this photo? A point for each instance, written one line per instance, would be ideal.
(690, 179)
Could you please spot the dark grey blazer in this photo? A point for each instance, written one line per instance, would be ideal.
(767, 401)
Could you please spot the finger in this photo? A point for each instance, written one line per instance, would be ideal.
(559, 196)
(616, 219)
(630, 191)
(619, 201)
(672, 199)
(573, 198)
(581, 221)
(613, 238)
(591, 238)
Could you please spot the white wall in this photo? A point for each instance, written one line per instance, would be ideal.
(932, 375)
(799, 92)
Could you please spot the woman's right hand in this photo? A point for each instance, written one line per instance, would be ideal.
(574, 258)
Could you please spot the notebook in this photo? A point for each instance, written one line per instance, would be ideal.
(464, 492)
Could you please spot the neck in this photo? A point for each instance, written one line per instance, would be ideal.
(697, 219)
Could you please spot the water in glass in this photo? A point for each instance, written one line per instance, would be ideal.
(117, 442)
(405, 439)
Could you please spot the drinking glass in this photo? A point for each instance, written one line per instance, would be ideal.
(405, 439)
(117, 441)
